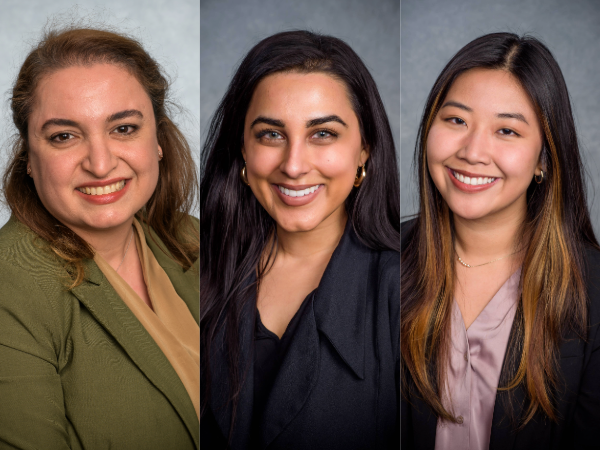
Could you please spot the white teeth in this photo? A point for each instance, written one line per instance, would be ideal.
(102, 190)
(475, 181)
(300, 193)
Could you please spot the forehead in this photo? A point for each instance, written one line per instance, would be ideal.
(491, 90)
(90, 92)
(299, 95)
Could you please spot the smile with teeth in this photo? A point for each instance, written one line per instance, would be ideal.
(474, 181)
(103, 190)
(300, 193)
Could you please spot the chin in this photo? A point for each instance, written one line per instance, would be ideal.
(297, 226)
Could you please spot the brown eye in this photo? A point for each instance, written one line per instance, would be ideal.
(61, 137)
(125, 129)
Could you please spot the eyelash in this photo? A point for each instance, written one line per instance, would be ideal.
(133, 128)
(511, 132)
(263, 133)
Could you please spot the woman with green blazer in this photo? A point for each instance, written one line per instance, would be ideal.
(99, 337)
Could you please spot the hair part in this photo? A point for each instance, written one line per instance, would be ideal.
(557, 227)
(175, 194)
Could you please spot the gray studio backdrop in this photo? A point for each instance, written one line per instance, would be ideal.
(230, 28)
(169, 30)
(432, 31)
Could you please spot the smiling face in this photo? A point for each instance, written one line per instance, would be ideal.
(302, 146)
(93, 152)
(484, 146)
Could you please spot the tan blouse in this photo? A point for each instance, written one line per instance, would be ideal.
(476, 357)
(171, 324)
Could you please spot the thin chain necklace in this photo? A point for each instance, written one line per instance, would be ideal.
(489, 262)
(125, 254)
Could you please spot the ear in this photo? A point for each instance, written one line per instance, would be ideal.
(364, 155)
(244, 152)
(160, 153)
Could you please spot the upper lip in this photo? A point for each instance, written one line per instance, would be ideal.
(471, 174)
(296, 187)
(101, 183)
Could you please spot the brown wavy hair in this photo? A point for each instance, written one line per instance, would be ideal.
(555, 233)
(175, 196)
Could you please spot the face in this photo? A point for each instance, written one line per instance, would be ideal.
(302, 146)
(484, 146)
(93, 152)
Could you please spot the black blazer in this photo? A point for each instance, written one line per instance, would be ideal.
(578, 397)
(338, 385)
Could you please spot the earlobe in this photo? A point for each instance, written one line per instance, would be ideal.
(364, 155)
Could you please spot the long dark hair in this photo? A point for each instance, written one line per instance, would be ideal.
(235, 228)
(556, 229)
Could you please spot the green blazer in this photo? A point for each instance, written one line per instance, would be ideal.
(77, 369)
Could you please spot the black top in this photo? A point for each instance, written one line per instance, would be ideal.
(337, 385)
(269, 352)
(577, 396)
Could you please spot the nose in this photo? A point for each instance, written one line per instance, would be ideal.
(100, 160)
(295, 161)
(476, 148)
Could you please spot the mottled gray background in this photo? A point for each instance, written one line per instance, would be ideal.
(432, 31)
(230, 28)
(169, 30)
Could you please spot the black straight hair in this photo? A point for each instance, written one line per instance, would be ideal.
(234, 227)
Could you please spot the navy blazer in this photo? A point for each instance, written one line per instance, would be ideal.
(338, 385)
(578, 395)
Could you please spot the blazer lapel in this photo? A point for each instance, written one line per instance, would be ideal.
(110, 311)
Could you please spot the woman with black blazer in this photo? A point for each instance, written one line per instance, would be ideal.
(500, 310)
(300, 264)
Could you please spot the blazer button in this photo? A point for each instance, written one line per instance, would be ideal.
(460, 420)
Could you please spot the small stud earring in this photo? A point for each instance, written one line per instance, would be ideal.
(28, 170)
(160, 155)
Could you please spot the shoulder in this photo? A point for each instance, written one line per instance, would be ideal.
(32, 305)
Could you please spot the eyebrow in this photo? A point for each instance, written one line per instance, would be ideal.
(457, 105)
(517, 116)
(71, 123)
(309, 123)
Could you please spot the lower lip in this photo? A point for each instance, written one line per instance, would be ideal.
(469, 188)
(296, 201)
(105, 198)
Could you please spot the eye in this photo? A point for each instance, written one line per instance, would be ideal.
(324, 134)
(507, 132)
(125, 129)
(456, 121)
(269, 135)
(61, 137)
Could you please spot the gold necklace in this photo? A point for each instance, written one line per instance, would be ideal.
(489, 262)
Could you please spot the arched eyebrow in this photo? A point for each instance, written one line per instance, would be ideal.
(322, 120)
(309, 123)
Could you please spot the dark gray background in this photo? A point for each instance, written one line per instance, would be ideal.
(169, 31)
(230, 28)
(432, 31)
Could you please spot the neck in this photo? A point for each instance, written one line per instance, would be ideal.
(306, 244)
(111, 243)
(479, 241)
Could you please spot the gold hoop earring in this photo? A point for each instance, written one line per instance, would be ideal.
(244, 175)
(360, 176)
(539, 178)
